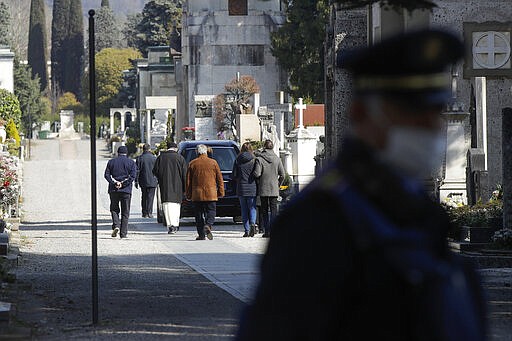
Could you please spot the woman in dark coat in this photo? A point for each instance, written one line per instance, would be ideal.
(246, 187)
(171, 169)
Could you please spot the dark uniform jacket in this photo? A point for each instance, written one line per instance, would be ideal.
(121, 169)
(243, 174)
(171, 169)
(145, 163)
(337, 265)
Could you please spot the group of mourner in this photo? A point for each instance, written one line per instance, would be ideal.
(257, 175)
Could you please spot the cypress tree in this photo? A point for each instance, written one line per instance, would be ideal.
(67, 46)
(105, 3)
(107, 31)
(74, 53)
(37, 42)
(59, 35)
(4, 24)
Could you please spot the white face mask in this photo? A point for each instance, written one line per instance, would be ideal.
(415, 152)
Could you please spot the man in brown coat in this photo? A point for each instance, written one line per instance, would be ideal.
(204, 186)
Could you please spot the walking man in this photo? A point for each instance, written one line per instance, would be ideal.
(146, 180)
(120, 174)
(361, 253)
(204, 186)
(270, 173)
(171, 169)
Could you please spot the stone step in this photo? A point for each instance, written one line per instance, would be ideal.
(463, 246)
(476, 234)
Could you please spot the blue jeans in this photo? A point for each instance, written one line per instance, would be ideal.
(248, 207)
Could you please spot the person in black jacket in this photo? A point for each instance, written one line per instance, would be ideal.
(362, 253)
(171, 169)
(146, 180)
(246, 189)
(120, 174)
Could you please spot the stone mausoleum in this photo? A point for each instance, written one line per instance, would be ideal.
(220, 39)
(481, 84)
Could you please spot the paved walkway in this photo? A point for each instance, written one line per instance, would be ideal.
(228, 261)
(151, 283)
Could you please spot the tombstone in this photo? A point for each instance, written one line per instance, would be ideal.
(457, 145)
(303, 149)
(248, 128)
(80, 126)
(282, 113)
(67, 129)
(46, 126)
(203, 119)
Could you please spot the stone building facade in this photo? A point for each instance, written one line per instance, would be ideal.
(221, 38)
(485, 26)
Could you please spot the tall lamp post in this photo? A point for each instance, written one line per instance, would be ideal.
(94, 221)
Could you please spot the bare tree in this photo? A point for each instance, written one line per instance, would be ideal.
(235, 101)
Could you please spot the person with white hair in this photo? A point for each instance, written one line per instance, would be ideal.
(204, 186)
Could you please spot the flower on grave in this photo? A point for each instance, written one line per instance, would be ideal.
(9, 185)
(502, 239)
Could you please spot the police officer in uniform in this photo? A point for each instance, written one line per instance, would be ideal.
(361, 253)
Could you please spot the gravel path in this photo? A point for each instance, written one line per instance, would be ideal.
(146, 291)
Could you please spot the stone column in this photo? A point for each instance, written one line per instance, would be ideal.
(506, 138)
(346, 29)
(111, 123)
(123, 120)
(481, 114)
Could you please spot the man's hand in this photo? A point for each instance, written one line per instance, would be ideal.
(118, 184)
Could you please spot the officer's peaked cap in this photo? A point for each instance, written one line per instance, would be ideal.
(411, 65)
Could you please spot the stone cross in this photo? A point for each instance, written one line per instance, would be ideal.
(301, 108)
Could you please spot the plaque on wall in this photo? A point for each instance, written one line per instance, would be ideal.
(488, 49)
(237, 7)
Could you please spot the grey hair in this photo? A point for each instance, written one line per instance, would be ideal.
(202, 149)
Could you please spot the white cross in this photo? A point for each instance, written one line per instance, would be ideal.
(301, 108)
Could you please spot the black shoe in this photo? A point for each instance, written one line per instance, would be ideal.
(200, 238)
(208, 232)
(123, 237)
(252, 230)
(115, 231)
(144, 216)
(171, 230)
(149, 216)
(245, 235)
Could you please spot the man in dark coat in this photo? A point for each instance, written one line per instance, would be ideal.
(120, 174)
(361, 253)
(171, 169)
(270, 173)
(146, 180)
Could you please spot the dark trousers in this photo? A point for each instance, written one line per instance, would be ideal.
(148, 195)
(205, 215)
(266, 204)
(124, 199)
